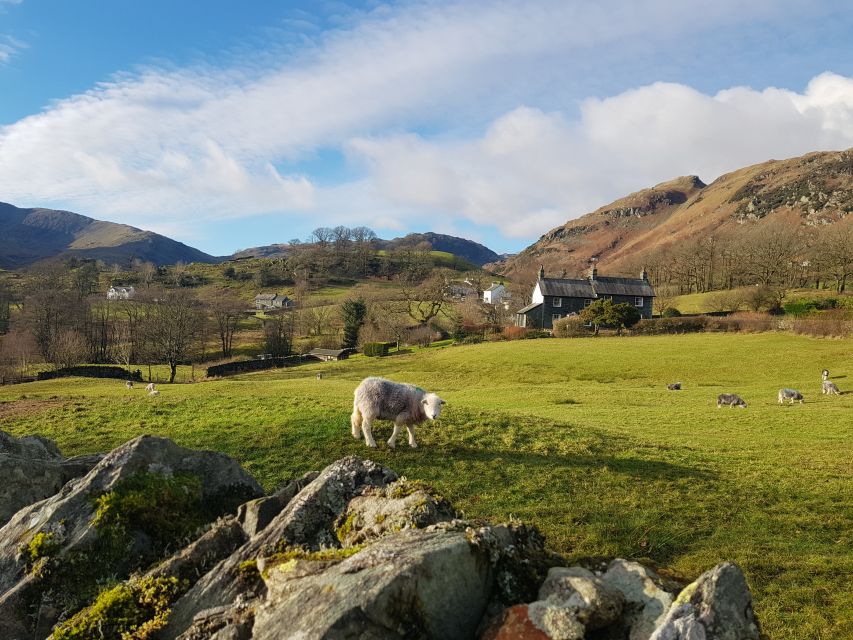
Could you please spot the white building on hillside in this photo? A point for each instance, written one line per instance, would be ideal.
(495, 294)
(120, 293)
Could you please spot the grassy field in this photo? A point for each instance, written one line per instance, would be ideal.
(578, 436)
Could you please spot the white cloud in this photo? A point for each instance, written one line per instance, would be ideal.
(532, 170)
(203, 142)
(9, 47)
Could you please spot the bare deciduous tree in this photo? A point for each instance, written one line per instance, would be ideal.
(226, 311)
(172, 320)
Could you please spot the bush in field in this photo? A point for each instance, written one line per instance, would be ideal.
(533, 334)
(570, 327)
(670, 312)
(606, 313)
(836, 323)
(743, 322)
(376, 349)
(662, 326)
(514, 333)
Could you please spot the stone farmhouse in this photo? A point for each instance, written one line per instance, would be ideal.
(555, 298)
(264, 301)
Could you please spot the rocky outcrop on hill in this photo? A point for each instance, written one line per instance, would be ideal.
(813, 190)
(353, 551)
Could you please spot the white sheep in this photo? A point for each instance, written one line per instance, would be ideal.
(405, 404)
(730, 400)
(154, 392)
(128, 384)
(790, 394)
(830, 388)
(150, 387)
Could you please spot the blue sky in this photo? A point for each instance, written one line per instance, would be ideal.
(227, 125)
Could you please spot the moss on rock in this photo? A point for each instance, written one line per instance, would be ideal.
(135, 609)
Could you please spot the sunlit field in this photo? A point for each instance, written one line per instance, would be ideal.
(578, 436)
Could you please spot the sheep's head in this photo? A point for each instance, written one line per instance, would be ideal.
(432, 405)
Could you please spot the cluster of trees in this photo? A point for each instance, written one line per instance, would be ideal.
(777, 252)
(338, 252)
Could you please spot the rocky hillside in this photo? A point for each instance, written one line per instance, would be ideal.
(30, 235)
(814, 189)
(153, 540)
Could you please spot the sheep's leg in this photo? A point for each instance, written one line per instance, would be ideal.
(392, 441)
(355, 422)
(411, 429)
(366, 430)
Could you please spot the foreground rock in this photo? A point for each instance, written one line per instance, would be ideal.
(32, 469)
(350, 552)
(135, 503)
(718, 606)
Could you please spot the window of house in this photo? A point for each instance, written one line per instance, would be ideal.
(558, 302)
(586, 303)
(555, 317)
(638, 302)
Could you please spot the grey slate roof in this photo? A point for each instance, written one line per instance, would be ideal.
(601, 286)
(265, 296)
(327, 352)
(529, 307)
(566, 288)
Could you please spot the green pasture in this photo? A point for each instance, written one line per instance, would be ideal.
(579, 436)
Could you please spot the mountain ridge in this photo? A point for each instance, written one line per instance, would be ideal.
(815, 189)
(35, 234)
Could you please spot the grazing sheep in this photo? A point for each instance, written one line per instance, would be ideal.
(830, 388)
(150, 387)
(154, 392)
(790, 394)
(825, 374)
(730, 400)
(319, 375)
(675, 386)
(405, 404)
(129, 384)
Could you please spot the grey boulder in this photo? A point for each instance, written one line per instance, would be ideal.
(717, 606)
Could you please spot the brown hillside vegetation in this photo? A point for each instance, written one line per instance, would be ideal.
(812, 191)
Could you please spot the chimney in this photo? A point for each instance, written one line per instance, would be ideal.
(644, 274)
(593, 271)
(541, 271)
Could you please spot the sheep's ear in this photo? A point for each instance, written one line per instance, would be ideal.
(442, 402)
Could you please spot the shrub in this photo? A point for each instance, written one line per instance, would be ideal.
(472, 339)
(661, 326)
(835, 323)
(570, 327)
(420, 335)
(514, 333)
(376, 349)
(744, 322)
(670, 312)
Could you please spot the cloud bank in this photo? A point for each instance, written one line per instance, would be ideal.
(169, 146)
